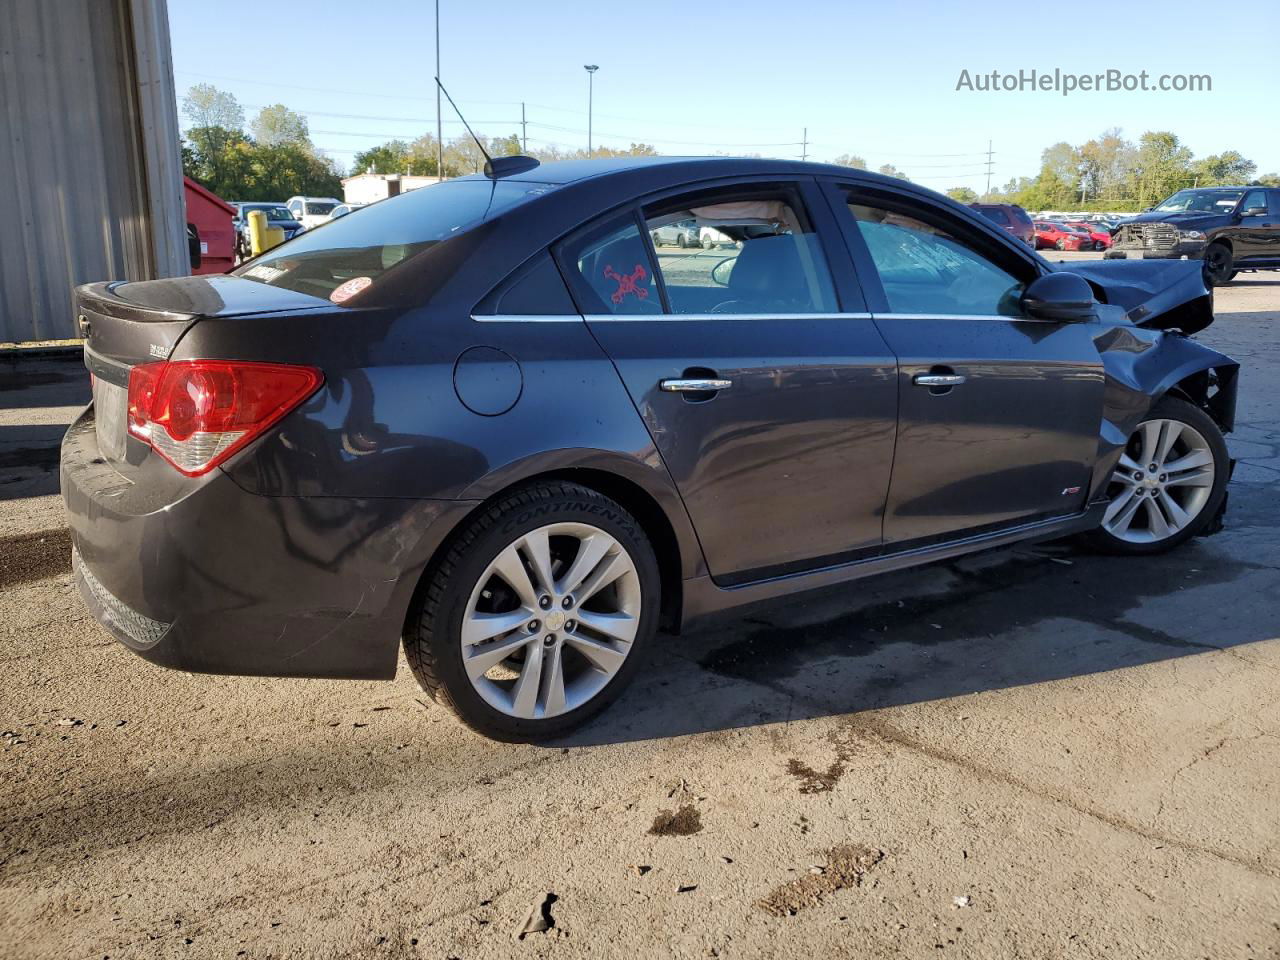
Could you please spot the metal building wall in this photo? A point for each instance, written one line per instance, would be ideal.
(90, 171)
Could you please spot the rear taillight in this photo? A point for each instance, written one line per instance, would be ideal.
(197, 413)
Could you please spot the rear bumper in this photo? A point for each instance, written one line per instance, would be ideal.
(210, 578)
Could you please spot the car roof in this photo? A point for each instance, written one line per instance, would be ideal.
(572, 171)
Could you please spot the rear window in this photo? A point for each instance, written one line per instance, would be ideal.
(995, 214)
(319, 209)
(344, 257)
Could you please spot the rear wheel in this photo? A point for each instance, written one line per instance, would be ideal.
(681, 242)
(1061, 244)
(656, 242)
(538, 615)
(1217, 264)
(1168, 484)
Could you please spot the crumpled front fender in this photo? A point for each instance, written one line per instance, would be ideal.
(1140, 367)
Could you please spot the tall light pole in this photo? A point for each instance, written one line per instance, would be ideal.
(591, 69)
(439, 121)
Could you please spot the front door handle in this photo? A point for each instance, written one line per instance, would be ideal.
(695, 385)
(937, 379)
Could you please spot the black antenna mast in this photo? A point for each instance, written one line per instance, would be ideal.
(492, 168)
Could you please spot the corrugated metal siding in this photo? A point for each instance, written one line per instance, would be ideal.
(90, 158)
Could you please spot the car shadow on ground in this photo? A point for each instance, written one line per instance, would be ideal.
(1023, 616)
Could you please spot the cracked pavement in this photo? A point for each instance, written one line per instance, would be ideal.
(1032, 753)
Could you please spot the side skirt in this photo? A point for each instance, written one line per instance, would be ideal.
(703, 598)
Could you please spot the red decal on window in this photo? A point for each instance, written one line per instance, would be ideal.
(628, 283)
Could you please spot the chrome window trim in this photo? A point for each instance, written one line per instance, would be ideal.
(528, 318)
(890, 315)
(668, 317)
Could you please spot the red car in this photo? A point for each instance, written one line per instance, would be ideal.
(1100, 237)
(1060, 236)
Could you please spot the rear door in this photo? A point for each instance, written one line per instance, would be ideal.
(771, 400)
(999, 414)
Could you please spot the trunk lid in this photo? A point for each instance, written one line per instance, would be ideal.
(128, 323)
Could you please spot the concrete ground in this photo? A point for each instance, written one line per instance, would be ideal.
(1035, 753)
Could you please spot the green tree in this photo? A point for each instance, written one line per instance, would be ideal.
(850, 160)
(1161, 167)
(1223, 170)
(889, 170)
(963, 195)
(277, 124)
(1268, 180)
(389, 157)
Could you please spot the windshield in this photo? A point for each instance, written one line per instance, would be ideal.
(1201, 201)
(319, 209)
(351, 253)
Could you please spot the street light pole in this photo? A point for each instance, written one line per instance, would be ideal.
(439, 121)
(591, 69)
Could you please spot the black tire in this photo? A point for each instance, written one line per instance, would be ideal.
(1098, 245)
(656, 242)
(1175, 408)
(681, 242)
(1060, 245)
(1217, 264)
(431, 640)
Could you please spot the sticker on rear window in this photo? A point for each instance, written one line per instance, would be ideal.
(264, 273)
(628, 283)
(349, 289)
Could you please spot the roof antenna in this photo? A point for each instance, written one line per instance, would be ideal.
(503, 166)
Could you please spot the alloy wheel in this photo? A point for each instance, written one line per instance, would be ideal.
(551, 620)
(1161, 484)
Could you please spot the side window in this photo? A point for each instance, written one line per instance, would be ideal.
(927, 269)
(612, 270)
(746, 251)
(1275, 202)
(535, 289)
(1253, 200)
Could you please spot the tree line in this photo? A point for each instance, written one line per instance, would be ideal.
(1113, 173)
(275, 158)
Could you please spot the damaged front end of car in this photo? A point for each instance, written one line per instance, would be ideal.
(1150, 310)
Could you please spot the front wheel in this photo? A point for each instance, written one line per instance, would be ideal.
(1169, 482)
(1061, 244)
(1217, 264)
(536, 618)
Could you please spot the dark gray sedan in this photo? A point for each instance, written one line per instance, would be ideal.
(488, 419)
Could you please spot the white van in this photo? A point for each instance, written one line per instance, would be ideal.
(312, 211)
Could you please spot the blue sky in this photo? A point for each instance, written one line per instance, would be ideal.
(690, 77)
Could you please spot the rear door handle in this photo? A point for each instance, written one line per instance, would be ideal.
(695, 385)
(937, 379)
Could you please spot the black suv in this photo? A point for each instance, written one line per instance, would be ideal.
(1229, 228)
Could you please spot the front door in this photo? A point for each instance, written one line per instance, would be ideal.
(773, 410)
(1258, 235)
(999, 414)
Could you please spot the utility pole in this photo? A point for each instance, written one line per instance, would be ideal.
(524, 132)
(804, 145)
(591, 69)
(989, 154)
(439, 119)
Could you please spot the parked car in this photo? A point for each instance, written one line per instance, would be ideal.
(1050, 233)
(1098, 237)
(461, 421)
(1010, 217)
(277, 216)
(712, 238)
(311, 211)
(1228, 229)
(682, 234)
(342, 209)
